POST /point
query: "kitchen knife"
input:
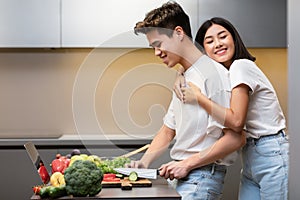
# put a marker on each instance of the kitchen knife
(141, 172)
(37, 162)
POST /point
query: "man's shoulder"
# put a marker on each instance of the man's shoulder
(208, 67)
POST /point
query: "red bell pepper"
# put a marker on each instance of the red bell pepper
(110, 178)
(44, 174)
(60, 164)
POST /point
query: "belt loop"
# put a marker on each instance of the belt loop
(213, 168)
(282, 133)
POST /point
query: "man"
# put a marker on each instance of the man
(199, 145)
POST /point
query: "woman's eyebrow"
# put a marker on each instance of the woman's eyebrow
(221, 32)
(207, 37)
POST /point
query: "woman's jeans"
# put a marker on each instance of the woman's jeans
(205, 183)
(265, 168)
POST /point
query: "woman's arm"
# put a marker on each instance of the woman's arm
(226, 145)
(233, 117)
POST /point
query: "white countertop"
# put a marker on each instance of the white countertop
(73, 139)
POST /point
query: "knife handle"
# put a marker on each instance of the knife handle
(157, 171)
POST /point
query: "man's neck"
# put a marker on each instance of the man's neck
(191, 57)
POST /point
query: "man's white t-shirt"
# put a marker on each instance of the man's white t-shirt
(195, 129)
(264, 116)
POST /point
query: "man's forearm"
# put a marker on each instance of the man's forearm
(158, 145)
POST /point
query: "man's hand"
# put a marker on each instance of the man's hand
(135, 164)
(174, 169)
(191, 94)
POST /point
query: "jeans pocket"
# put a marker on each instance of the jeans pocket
(268, 148)
(213, 195)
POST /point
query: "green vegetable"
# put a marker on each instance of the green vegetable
(107, 165)
(44, 192)
(83, 178)
(119, 175)
(52, 191)
(133, 176)
(55, 192)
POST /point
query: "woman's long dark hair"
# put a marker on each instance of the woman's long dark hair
(240, 52)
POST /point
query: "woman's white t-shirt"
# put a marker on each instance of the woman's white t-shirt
(264, 116)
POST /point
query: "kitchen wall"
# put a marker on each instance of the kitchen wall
(48, 92)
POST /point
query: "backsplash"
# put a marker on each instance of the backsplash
(89, 91)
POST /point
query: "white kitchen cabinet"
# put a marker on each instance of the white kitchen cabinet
(29, 23)
(260, 23)
(102, 23)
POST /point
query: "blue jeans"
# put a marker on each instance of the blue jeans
(265, 168)
(205, 183)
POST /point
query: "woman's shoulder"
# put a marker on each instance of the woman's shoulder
(243, 61)
(245, 64)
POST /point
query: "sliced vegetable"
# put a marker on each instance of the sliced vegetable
(133, 176)
(111, 178)
(119, 175)
(110, 175)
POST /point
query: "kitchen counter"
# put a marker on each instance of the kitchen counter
(159, 190)
(12, 153)
(75, 140)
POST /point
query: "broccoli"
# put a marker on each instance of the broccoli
(83, 178)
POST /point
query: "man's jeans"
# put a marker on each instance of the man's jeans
(205, 183)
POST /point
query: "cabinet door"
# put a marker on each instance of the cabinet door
(30, 23)
(102, 23)
(260, 23)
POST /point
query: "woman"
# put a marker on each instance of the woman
(254, 108)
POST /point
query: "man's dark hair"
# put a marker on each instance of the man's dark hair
(165, 19)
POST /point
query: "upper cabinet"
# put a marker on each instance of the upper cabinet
(260, 23)
(29, 23)
(102, 23)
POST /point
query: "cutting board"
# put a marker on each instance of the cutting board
(143, 182)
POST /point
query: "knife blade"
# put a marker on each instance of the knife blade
(37, 161)
(141, 172)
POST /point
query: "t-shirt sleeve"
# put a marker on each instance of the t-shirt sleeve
(241, 72)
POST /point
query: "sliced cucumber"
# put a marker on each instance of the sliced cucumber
(119, 175)
(133, 176)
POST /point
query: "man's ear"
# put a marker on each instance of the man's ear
(179, 32)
